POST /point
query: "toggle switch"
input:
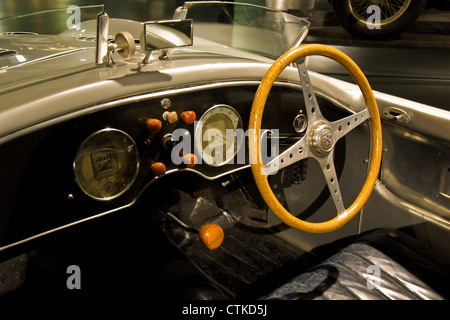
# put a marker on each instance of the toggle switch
(158, 169)
(167, 141)
(170, 116)
(188, 117)
(154, 125)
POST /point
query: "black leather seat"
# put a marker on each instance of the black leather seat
(384, 265)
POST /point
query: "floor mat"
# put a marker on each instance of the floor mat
(245, 257)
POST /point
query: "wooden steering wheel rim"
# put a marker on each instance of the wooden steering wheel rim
(254, 138)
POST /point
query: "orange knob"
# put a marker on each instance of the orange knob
(154, 125)
(188, 117)
(190, 160)
(211, 235)
(158, 169)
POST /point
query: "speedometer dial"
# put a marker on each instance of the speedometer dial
(106, 164)
(219, 135)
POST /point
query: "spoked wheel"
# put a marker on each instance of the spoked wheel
(358, 16)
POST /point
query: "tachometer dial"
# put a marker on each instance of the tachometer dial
(219, 135)
(106, 164)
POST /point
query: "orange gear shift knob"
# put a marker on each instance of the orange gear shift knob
(211, 235)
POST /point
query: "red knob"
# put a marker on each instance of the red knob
(158, 169)
(188, 117)
(190, 160)
(154, 125)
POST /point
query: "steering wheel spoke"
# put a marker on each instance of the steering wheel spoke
(345, 125)
(298, 151)
(312, 107)
(329, 172)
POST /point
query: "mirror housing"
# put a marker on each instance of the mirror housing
(166, 34)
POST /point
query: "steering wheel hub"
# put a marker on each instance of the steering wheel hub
(322, 140)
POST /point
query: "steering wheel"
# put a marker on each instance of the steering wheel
(319, 139)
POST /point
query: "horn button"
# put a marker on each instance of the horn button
(322, 139)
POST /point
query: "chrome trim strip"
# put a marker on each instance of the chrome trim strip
(413, 209)
(55, 55)
(7, 52)
(13, 33)
(201, 174)
(65, 226)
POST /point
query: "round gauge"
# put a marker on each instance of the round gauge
(106, 164)
(219, 135)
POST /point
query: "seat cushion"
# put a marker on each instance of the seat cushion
(384, 265)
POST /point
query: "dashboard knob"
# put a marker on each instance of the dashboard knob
(190, 160)
(170, 117)
(211, 235)
(188, 117)
(158, 169)
(154, 125)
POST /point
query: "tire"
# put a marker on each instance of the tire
(353, 17)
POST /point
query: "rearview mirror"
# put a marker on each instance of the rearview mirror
(166, 34)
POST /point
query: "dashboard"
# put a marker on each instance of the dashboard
(101, 159)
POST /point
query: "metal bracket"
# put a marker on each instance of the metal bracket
(101, 51)
(396, 114)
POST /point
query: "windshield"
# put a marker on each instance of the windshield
(53, 21)
(242, 26)
(247, 27)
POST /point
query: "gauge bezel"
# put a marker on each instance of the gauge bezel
(199, 129)
(83, 147)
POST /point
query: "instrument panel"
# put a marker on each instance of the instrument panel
(219, 135)
(166, 135)
(106, 164)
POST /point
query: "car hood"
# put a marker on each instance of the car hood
(26, 56)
